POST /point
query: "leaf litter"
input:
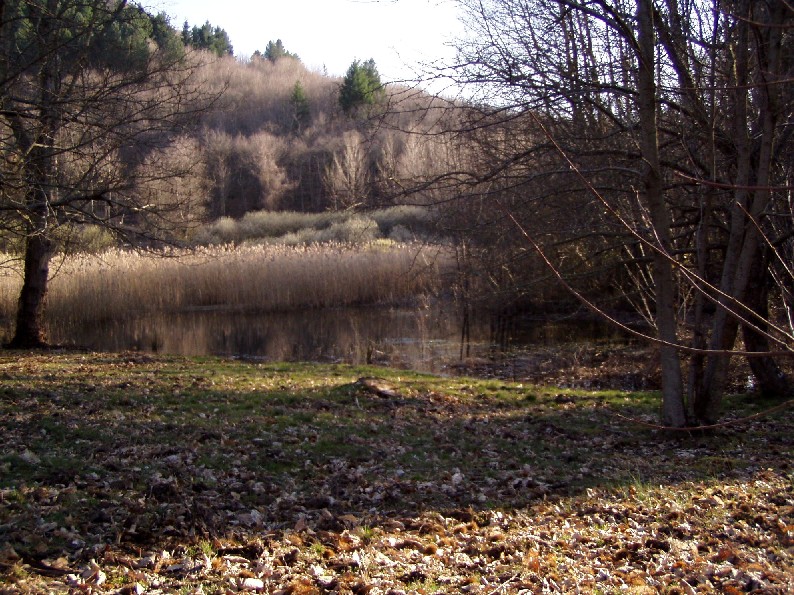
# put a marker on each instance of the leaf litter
(133, 474)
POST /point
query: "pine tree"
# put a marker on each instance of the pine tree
(164, 34)
(275, 50)
(300, 105)
(207, 37)
(361, 88)
(221, 44)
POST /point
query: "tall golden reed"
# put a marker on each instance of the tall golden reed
(118, 283)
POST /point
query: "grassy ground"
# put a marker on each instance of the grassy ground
(132, 474)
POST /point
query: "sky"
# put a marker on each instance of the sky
(329, 34)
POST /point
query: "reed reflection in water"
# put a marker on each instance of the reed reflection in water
(424, 339)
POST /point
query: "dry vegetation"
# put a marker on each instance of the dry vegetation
(129, 474)
(118, 283)
(252, 154)
(400, 223)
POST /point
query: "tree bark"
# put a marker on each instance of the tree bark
(673, 410)
(770, 380)
(30, 331)
(755, 159)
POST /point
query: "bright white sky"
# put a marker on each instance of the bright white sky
(398, 34)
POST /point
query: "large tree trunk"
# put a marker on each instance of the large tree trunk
(673, 411)
(39, 142)
(755, 150)
(30, 330)
(770, 380)
(708, 398)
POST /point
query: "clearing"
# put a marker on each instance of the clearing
(129, 473)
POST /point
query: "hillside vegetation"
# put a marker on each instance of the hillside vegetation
(280, 139)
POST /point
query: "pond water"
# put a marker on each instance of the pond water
(426, 339)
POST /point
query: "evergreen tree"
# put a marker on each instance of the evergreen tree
(361, 87)
(123, 43)
(213, 39)
(166, 37)
(221, 44)
(276, 50)
(300, 105)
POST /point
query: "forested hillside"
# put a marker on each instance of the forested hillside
(284, 137)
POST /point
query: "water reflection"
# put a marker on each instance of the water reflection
(421, 339)
(425, 339)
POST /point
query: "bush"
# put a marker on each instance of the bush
(223, 231)
(355, 230)
(400, 233)
(274, 224)
(293, 228)
(418, 220)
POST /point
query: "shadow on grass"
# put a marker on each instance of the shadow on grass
(141, 451)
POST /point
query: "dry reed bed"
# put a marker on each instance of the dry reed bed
(256, 278)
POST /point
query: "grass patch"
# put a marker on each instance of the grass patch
(236, 466)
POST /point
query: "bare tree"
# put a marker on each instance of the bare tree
(87, 103)
(348, 176)
(672, 121)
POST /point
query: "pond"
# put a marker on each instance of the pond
(424, 339)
